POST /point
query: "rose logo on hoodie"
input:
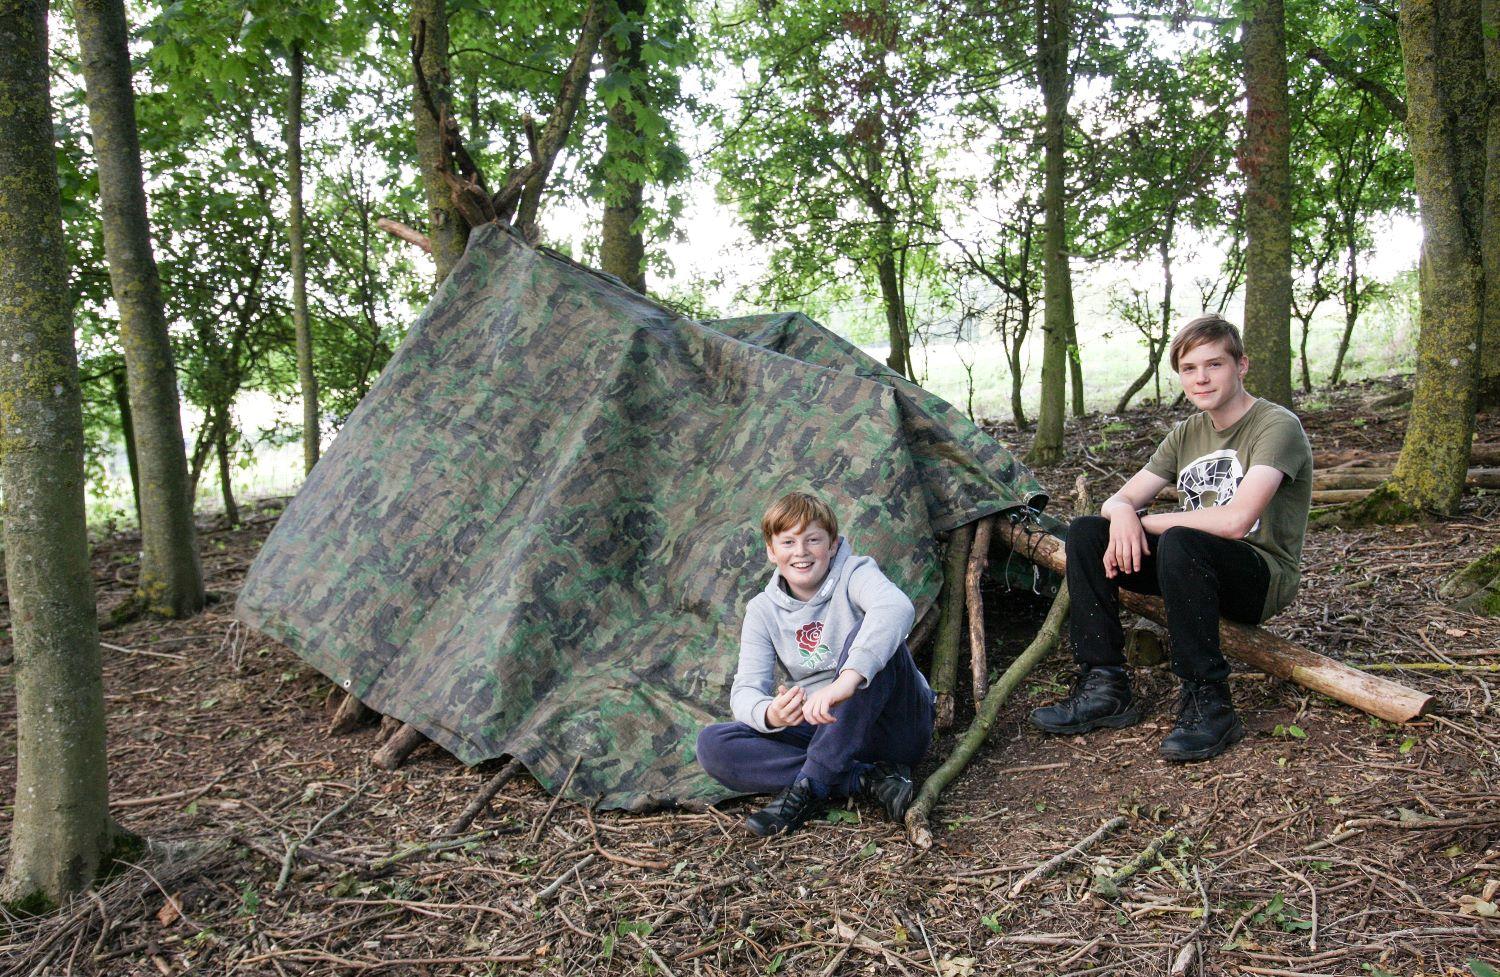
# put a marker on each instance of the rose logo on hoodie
(807, 642)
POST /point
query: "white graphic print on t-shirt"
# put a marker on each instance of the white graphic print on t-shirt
(1217, 474)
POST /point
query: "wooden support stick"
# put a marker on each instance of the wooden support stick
(398, 747)
(950, 623)
(408, 234)
(917, 829)
(350, 715)
(1377, 696)
(922, 633)
(979, 558)
(482, 799)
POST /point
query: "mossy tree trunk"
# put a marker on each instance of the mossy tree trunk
(306, 379)
(1266, 163)
(622, 251)
(447, 229)
(1447, 126)
(171, 580)
(1053, 76)
(1489, 350)
(1477, 586)
(60, 829)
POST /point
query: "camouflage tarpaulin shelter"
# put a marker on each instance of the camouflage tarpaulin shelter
(537, 533)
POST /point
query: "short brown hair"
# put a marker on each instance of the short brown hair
(1207, 329)
(796, 510)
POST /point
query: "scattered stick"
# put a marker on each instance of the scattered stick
(141, 651)
(1108, 886)
(1057, 861)
(541, 825)
(917, 829)
(443, 844)
(660, 963)
(291, 850)
(979, 558)
(1377, 696)
(482, 799)
(950, 623)
(399, 747)
(562, 879)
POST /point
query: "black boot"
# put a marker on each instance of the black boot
(791, 809)
(1206, 723)
(890, 786)
(1100, 699)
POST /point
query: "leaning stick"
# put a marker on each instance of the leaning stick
(486, 794)
(399, 747)
(950, 623)
(1059, 860)
(1276, 656)
(917, 829)
(979, 558)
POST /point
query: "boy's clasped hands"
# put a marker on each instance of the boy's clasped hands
(793, 706)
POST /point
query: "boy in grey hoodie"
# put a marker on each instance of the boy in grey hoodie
(856, 713)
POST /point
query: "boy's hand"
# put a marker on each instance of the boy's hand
(819, 707)
(1127, 543)
(786, 708)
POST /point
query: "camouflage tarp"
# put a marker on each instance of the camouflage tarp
(537, 533)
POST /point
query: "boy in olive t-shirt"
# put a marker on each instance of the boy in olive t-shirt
(1243, 471)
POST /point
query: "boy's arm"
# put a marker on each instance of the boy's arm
(1127, 536)
(1234, 519)
(750, 696)
(889, 615)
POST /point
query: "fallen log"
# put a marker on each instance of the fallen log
(1276, 656)
(950, 623)
(917, 829)
(1480, 453)
(398, 747)
(979, 558)
(350, 715)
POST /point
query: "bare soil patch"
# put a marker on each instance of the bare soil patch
(1325, 843)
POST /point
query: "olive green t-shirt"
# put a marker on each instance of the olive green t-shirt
(1208, 465)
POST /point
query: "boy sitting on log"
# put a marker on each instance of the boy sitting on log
(857, 713)
(1243, 470)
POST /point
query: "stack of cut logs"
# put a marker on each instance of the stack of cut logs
(1350, 475)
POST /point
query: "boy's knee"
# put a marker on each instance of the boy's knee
(1087, 535)
(1178, 545)
(713, 747)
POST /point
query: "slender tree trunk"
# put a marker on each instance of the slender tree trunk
(226, 483)
(1351, 307)
(121, 388)
(1164, 248)
(1489, 349)
(1075, 358)
(1017, 408)
(1447, 125)
(1266, 162)
(447, 230)
(1306, 322)
(60, 829)
(1052, 71)
(894, 299)
(171, 581)
(622, 251)
(295, 231)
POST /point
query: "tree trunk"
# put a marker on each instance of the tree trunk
(622, 251)
(1164, 248)
(893, 297)
(1075, 357)
(447, 230)
(226, 485)
(1489, 349)
(171, 580)
(305, 377)
(60, 828)
(1052, 72)
(1447, 128)
(1266, 163)
(121, 388)
(1351, 307)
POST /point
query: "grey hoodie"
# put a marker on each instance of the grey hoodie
(808, 636)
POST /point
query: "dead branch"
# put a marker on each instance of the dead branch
(979, 662)
(408, 234)
(482, 799)
(398, 747)
(950, 623)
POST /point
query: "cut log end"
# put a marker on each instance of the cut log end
(350, 715)
(398, 747)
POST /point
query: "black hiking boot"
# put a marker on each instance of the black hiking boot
(791, 809)
(1206, 723)
(890, 786)
(1100, 698)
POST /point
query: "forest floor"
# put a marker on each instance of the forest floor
(1325, 843)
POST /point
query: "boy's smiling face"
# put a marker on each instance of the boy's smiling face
(803, 555)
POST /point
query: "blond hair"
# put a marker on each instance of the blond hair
(1207, 329)
(797, 510)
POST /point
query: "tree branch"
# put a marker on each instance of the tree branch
(1374, 89)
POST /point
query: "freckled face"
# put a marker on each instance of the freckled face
(803, 555)
(1211, 377)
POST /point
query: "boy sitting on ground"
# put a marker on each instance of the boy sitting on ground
(1243, 470)
(852, 721)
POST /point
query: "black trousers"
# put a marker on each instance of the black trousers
(1198, 575)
